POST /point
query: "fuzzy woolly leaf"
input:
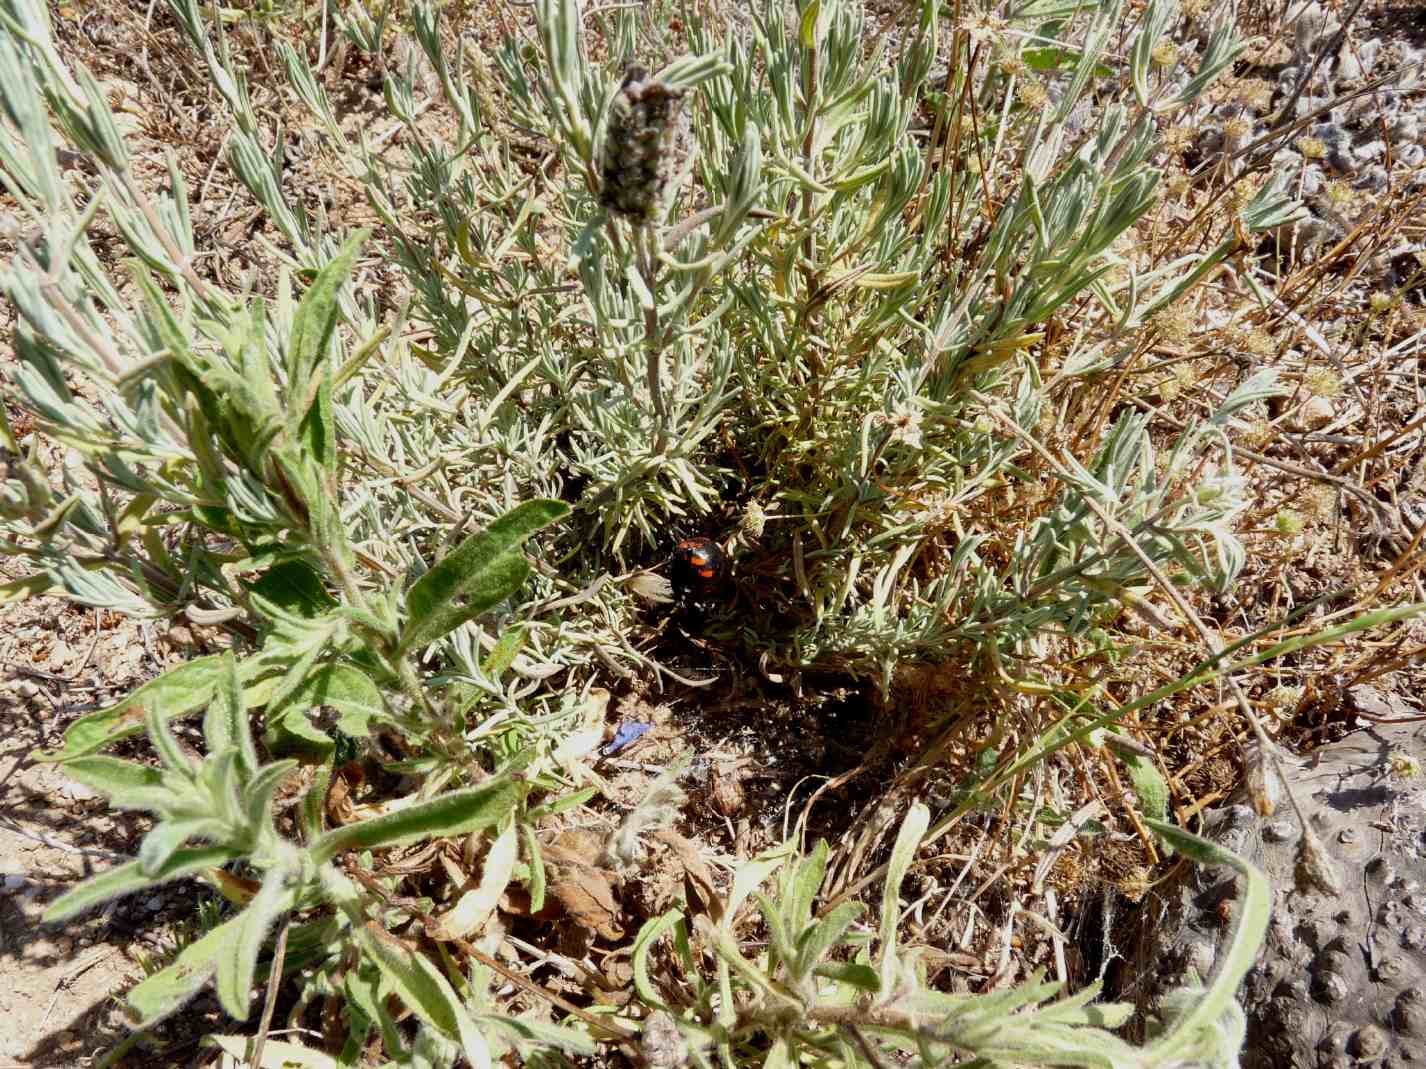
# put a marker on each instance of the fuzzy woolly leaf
(423, 989)
(182, 690)
(112, 775)
(908, 840)
(130, 877)
(167, 990)
(1242, 951)
(166, 837)
(343, 687)
(478, 574)
(817, 942)
(276, 1054)
(237, 961)
(313, 325)
(451, 814)
(226, 721)
(643, 943)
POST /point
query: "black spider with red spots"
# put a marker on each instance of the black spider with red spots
(697, 568)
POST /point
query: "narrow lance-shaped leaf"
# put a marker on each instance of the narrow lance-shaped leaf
(450, 814)
(160, 844)
(130, 877)
(478, 574)
(422, 988)
(312, 328)
(112, 775)
(238, 961)
(276, 1053)
(168, 989)
(226, 722)
(1242, 951)
(908, 840)
(182, 690)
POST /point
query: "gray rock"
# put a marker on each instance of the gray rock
(1341, 979)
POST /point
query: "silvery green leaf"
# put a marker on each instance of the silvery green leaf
(903, 852)
(313, 327)
(343, 687)
(480, 573)
(686, 72)
(1272, 207)
(111, 775)
(1224, 47)
(236, 961)
(167, 990)
(1262, 385)
(180, 690)
(454, 813)
(159, 845)
(174, 757)
(826, 935)
(802, 882)
(1157, 19)
(424, 990)
(226, 723)
(127, 878)
(1242, 951)
(257, 794)
(276, 1054)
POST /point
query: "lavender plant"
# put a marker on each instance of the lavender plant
(784, 310)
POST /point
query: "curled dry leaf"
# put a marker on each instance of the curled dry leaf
(579, 889)
(698, 885)
(1316, 870)
(340, 809)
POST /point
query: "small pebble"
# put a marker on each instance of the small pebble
(78, 792)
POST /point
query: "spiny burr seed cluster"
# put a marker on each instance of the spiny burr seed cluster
(643, 145)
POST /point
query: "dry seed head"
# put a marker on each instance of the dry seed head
(983, 27)
(1174, 325)
(1323, 382)
(1240, 196)
(1259, 343)
(1256, 434)
(1032, 95)
(1320, 502)
(1013, 66)
(1283, 697)
(1165, 53)
(1314, 148)
(643, 144)
(1256, 95)
(1380, 302)
(1341, 196)
(1237, 129)
(753, 522)
(1178, 138)
(1403, 765)
(1135, 884)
